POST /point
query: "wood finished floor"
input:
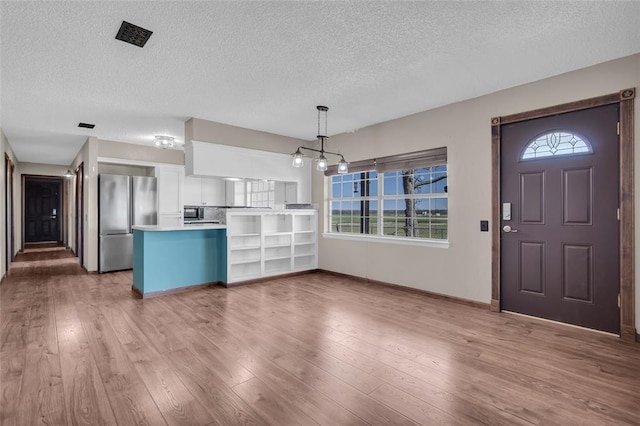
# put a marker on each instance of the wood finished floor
(78, 349)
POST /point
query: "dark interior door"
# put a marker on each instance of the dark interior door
(560, 247)
(42, 209)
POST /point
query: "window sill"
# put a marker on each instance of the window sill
(387, 240)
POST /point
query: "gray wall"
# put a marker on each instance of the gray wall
(464, 268)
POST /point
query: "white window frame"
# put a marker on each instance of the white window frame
(380, 198)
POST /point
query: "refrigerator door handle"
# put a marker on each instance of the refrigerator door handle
(132, 204)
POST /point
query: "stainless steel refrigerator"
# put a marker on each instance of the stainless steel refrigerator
(123, 201)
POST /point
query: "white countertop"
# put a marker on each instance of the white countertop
(192, 227)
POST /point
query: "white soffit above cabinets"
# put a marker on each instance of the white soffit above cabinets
(266, 65)
(225, 161)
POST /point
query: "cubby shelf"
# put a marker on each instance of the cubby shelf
(267, 246)
(286, 242)
(243, 261)
(266, 259)
(244, 248)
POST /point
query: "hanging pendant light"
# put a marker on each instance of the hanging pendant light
(297, 159)
(343, 167)
(321, 164)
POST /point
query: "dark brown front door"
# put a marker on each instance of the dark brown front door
(560, 179)
(42, 209)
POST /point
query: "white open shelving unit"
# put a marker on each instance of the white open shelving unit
(267, 243)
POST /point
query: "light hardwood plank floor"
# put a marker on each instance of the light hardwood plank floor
(80, 349)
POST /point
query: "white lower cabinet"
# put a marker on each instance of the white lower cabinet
(267, 243)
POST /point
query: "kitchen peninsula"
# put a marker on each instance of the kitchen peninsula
(254, 244)
(167, 258)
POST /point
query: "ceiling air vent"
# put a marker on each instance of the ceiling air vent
(86, 125)
(133, 34)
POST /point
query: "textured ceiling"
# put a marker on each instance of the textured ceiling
(266, 65)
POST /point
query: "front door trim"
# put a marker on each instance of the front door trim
(625, 99)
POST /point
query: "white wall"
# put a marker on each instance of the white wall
(464, 269)
(88, 155)
(150, 154)
(123, 169)
(5, 148)
(42, 169)
(3, 215)
(209, 131)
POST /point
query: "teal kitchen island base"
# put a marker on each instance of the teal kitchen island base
(173, 258)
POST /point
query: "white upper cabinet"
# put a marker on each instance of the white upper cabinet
(203, 191)
(192, 191)
(213, 192)
(170, 182)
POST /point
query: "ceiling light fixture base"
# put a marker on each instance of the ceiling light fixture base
(165, 142)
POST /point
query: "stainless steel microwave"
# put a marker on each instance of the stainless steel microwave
(191, 212)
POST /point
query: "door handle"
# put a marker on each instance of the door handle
(508, 229)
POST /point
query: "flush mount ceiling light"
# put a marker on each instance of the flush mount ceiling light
(165, 142)
(321, 165)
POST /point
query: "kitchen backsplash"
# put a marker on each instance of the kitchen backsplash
(216, 213)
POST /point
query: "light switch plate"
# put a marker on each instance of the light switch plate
(484, 226)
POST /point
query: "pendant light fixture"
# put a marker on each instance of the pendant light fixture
(321, 164)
